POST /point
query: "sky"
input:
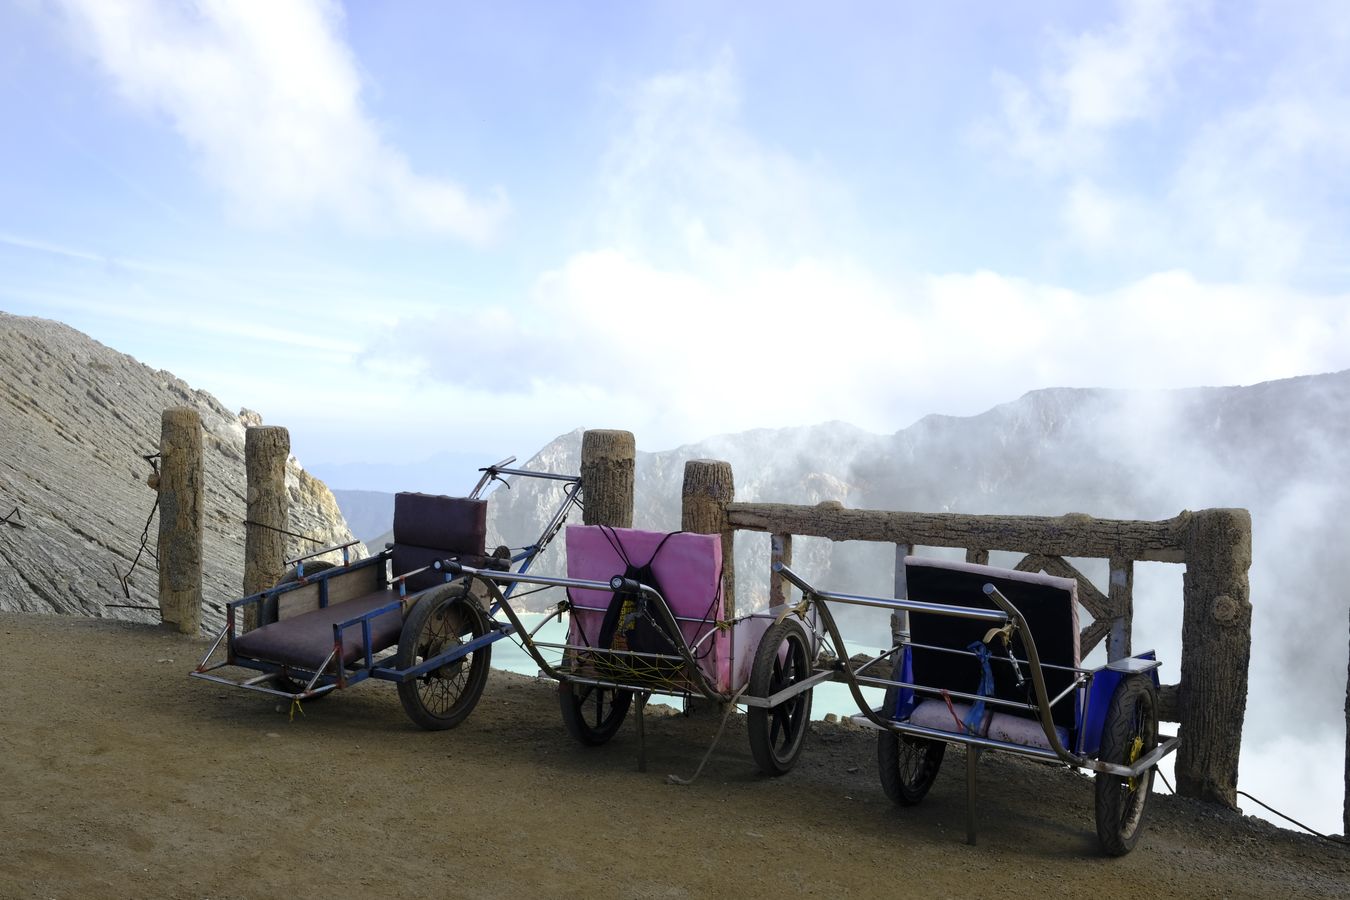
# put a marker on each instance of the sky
(483, 225)
(412, 229)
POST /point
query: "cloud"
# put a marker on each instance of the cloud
(1100, 81)
(683, 179)
(1263, 181)
(706, 303)
(268, 97)
(1175, 139)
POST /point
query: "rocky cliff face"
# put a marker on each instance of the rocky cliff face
(76, 419)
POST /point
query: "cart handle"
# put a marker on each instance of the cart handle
(342, 547)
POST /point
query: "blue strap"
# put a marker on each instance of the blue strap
(975, 717)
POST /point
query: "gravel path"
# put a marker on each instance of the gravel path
(121, 777)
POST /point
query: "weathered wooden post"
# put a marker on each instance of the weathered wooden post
(780, 551)
(1216, 645)
(180, 519)
(900, 618)
(266, 449)
(708, 488)
(607, 460)
(1120, 591)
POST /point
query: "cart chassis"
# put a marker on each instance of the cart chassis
(332, 674)
(1006, 614)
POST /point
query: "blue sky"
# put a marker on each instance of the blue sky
(507, 220)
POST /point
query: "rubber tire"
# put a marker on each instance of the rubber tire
(573, 700)
(283, 683)
(777, 735)
(1133, 712)
(907, 765)
(419, 640)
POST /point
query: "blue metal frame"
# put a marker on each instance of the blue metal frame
(323, 680)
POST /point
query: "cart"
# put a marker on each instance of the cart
(989, 658)
(646, 618)
(394, 616)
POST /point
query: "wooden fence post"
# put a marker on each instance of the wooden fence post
(180, 519)
(780, 551)
(1216, 642)
(708, 488)
(266, 449)
(1120, 590)
(607, 460)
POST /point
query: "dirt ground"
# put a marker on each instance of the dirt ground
(122, 777)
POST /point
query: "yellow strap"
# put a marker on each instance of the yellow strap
(1005, 632)
(296, 707)
(799, 611)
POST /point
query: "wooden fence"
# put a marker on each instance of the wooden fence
(1214, 545)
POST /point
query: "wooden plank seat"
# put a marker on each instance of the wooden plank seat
(1050, 607)
(428, 528)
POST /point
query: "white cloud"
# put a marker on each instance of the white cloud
(1099, 81)
(268, 96)
(750, 322)
(1262, 182)
(683, 179)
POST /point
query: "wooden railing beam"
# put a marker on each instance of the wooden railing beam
(1071, 535)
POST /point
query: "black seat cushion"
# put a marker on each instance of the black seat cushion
(1048, 604)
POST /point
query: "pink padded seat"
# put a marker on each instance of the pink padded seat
(688, 567)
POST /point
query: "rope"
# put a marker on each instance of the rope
(125, 580)
(17, 523)
(1342, 841)
(303, 537)
(731, 708)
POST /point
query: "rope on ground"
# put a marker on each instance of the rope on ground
(11, 520)
(1342, 841)
(731, 708)
(1326, 837)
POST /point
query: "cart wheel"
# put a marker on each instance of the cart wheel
(268, 614)
(776, 734)
(592, 714)
(444, 618)
(1131, 730)
(908, 766)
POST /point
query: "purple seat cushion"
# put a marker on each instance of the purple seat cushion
(429, 528)
(446, 523)
(307, 639)
(999, 726)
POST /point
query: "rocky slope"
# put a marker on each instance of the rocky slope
(76, 419)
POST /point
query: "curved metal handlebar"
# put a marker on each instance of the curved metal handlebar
(454, 567)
